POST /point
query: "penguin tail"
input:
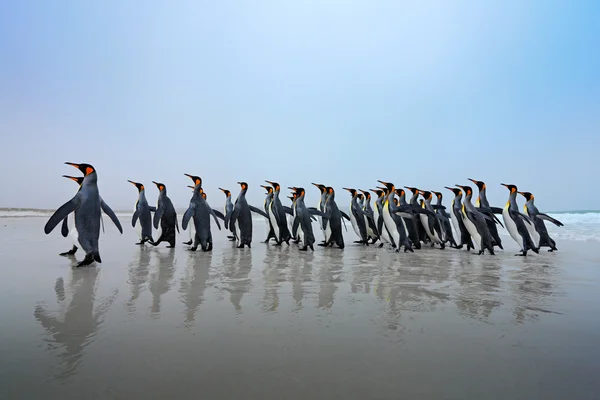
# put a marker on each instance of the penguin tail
(97, 257)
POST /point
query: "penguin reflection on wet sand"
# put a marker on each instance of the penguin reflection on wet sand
(165, 218)
(87, 206)
(538, 220)
(143, 213)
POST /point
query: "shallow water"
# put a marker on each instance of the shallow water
(278, 323)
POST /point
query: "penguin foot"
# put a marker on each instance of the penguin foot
(241, 246)
(323, 244)
(192, 248)
(303, 248)
(480, 252)
(549, 251)
(522, 254)
(408, 249)
(380, 245)
(311, 247)
(359, 241)
(170, 246)
(70, 252)
(189, 242)
(89, 258)
(296, 241)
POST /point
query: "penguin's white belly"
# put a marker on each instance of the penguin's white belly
(425, 223)
(472, 229)
(456, 227)
(274, 222)
(238, 233)
(73, 234)
(533, 233)
(192, 231)
(511, 227)
(391, 227)
(369, 230)
(354, 224)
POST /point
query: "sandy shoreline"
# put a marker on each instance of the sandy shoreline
(277, 323)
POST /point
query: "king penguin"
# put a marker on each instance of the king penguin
(538, 220)
(333, 222)
(431, 223)
(369, 218)
(321, 206)
(475, 222)
(165, 218)
(483, 206)
(302, 220)
(227, 210)
(457, 220)
(519, 225)
(357, 218)
(87, 206)
(270, 219)
(241, 217)
(201, 212)
(142, 212)
(444, 218)
(278, 218)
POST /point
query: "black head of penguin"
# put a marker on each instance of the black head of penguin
(139, 186)
(389, 186)
(86, 169)
(400, 192)
(456, 191)
(269, 189)
(276, 186)
(352, 191)
(414, 190)
(468, 190)
(528, 195)
(366, 193)
(244, 186)
(426, 194)
(227, 192)
(512, 188)
(378, 192)
(480, 184)
(78, 179)
(439, 195)
(322, 188)
(197, 180)
(160, 186)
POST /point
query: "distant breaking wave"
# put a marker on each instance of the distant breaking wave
(579, 225)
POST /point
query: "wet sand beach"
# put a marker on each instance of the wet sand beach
(275, 323)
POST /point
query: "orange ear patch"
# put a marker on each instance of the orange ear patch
(88, 171)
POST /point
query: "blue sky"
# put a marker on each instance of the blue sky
(423, 94)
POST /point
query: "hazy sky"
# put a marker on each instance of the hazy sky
(421, 93)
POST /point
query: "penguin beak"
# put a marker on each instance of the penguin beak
(73, 178)
(473, 180)
(191, 187)
(88, 170)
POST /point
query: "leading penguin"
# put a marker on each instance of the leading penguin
(165, 217)
(143, 213)
(519, 225)
(538, 220)
(87, 206)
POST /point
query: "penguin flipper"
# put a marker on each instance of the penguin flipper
(258, 211)
(438, 207)
(288, 210)
(550, 219)
(62, 213)
(158, 214)
(64, 230)
(212, 212)
(295, 226)
(135, 217)
(219, 214)
(345, 215)
(314, 211)
(189, 213)
(108, 211)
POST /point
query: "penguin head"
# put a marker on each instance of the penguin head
(139, 186)
(197, 180)
(352, 191)
(426, 194)
(300, 192)
(528, 195)
(400, 192)
(378, 192)
(276, 186)
(512, 188)
(244, 186)
(78, 179)
(389, 186)
(456, 191)
(161, 187)
(269, 189)
(330, 192)
(360, 197)
(321, 187)
(439, 195)
(480, 184)
(367, 194)
(414, 190)
(467, 189)
(227, 192)
(86, 169)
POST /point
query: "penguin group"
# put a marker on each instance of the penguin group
(389, 218)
